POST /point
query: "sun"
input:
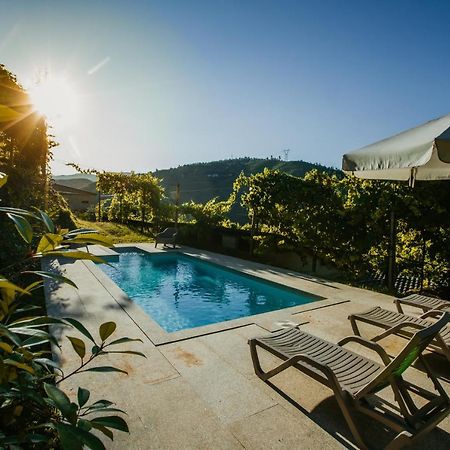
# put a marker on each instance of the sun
(57, 99)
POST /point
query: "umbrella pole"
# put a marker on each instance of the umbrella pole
(392, 248)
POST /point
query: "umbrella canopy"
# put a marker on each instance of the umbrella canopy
(421, 153)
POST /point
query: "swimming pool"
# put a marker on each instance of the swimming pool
(181, 292)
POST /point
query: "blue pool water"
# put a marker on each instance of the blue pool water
(181, 292)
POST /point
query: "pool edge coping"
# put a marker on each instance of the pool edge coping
(270, 321)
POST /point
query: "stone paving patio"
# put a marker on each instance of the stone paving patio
(199, 391)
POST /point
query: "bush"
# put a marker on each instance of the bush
(34, 411)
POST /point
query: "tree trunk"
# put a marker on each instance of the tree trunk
(99, 206)
(422, 261)
(392, 249)
(314, 262)
(142, 211)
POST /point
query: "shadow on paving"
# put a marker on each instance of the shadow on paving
(329, 417)
(438, 364)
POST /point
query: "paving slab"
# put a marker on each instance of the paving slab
(227, 392)
(276, 428)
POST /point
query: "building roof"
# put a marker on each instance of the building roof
(71, 190)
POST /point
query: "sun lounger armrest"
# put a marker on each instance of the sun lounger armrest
(433, 313)
(400, 326)
(442, 307)
(317, 365)
(368, 344)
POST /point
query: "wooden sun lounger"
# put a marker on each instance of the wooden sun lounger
(354, 379)
(399, 324)
(423, 302)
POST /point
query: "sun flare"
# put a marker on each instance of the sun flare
(57, 99)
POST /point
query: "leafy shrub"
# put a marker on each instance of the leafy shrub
(34, 411)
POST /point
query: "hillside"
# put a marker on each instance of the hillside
(201, 182)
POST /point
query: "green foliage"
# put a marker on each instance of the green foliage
(304, 213)
(24, 153)
(34, 411)
(211, 213)
(345, 221)
(135, 196)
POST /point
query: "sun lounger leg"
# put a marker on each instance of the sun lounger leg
(345, 408)
(398, 306)
(354, 326)
(257, 366)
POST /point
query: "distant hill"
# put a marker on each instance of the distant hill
(202, 181)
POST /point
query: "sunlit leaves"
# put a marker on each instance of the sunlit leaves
(74, 254)
(8, 114)
(106, 329)
(78, 345)
(90, 238)
(52, 276)
(47, 221)
(26, 370)
(3, 179)
(80, 327)
(48, 242)
(23, 227)
(104, 369)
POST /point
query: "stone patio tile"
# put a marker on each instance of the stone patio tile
(275, 428)
(171, 416)
(227, 392)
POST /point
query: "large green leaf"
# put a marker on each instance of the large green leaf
(53, 276)
(74, 438)
(37, 321)
(78, 345)
(5, 284)
(6, 347)
(80, 327)
(127, 352)
(47, 221)
(23, 227)
(77, 231)
(8, 114)
(106, 329)
(115, 422)
(19, 365)
(101, 404)
(3, 178)
(90, 238)
(103, 410)
(47, 362)
(49, 242)
(74, 254)
(84, 424)
(124, 340)
(104, 369)
(19, 212)
(83, 396)
(60, 400)
(104, 430)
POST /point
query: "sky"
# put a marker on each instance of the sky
(157, 84)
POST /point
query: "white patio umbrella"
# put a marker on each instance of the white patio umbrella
(420, 153)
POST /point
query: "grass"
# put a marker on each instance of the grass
(119, 233)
